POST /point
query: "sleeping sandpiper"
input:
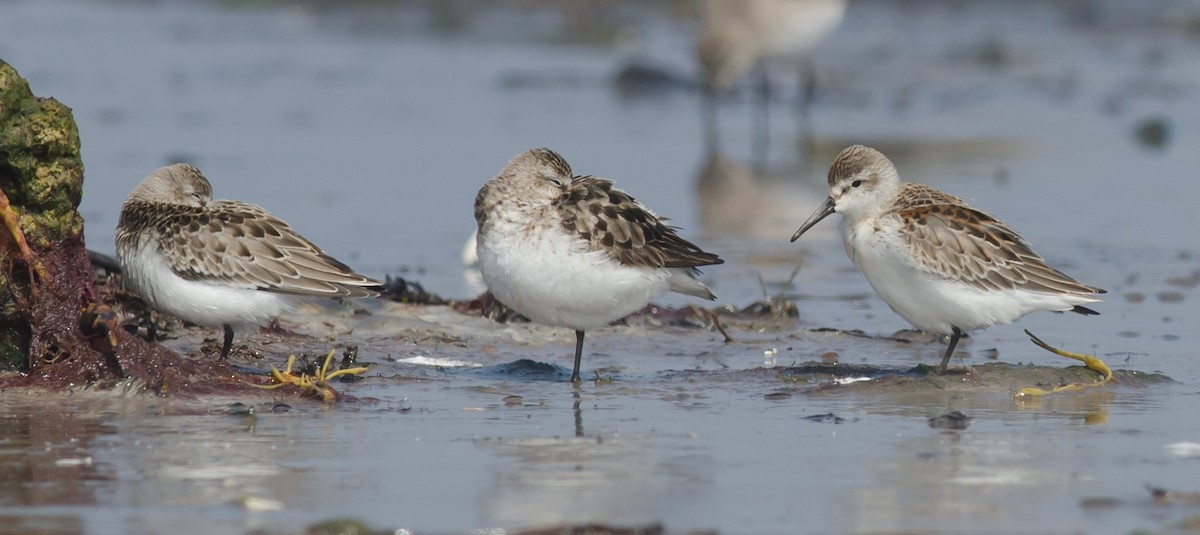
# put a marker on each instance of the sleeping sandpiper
(575, 251)
(220, 263)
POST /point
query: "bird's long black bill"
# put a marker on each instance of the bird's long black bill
(824, 210)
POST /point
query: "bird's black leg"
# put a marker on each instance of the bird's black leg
(225, 347)
(709, 100)
(578, 355)
(957, 333)
(151, 328)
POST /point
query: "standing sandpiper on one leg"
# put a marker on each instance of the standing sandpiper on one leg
(575, 251)
(942, 265)
(220, 263)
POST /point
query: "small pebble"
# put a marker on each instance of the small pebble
(253, 503)
(951, 420)
(1099, 503)
(825, 418)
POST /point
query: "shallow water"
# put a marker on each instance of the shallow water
(371, 128)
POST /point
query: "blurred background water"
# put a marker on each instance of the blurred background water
(370, 126)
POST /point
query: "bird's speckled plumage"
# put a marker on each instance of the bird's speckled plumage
(953, 240)
(220, 262)
(942, 265)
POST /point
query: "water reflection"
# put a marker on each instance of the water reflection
(1090, 407)
(46, 456)
(737, 200)
(582, 478)
(578, 412)
(933, 482)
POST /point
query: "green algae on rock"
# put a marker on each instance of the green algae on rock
(40, 167)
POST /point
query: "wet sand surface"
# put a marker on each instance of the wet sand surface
(370, 129)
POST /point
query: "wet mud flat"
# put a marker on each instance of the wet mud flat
(464, 422)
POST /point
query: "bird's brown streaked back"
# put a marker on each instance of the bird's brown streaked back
(612, 221)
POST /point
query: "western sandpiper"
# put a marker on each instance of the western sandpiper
(942, 265)
(220, 263)
(575, 251)
(736, 36)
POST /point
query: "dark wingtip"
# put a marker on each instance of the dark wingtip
(1085, 311)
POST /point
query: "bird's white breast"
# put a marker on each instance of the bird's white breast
(549, 276)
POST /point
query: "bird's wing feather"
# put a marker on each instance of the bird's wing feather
(610, 220)
(240, 244)
(958, 242)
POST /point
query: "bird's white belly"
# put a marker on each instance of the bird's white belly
(934, 303)
(198, 302)
(547, 277)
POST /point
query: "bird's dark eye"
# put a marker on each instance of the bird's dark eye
(856, 183)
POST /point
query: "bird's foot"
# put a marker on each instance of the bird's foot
(1092, 362)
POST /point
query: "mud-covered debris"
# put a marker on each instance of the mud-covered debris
(401, 290)
(821, 369)
(1188, 281)
(774, 307)
(104, 265)
(524, 368)
(99, 322)
(349, 357)
(133, 314)
(1170, 296)
(688, 316)
(488, 306)
(598, 529)
(1153, 132)
(639, 78)
(827, 418)
(240, 409)
(1099, 502)
(257, 504)
(955, 420)
(343, 526)
(1172, 497)
(859, 333)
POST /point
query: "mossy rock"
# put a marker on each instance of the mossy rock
(40, 167)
